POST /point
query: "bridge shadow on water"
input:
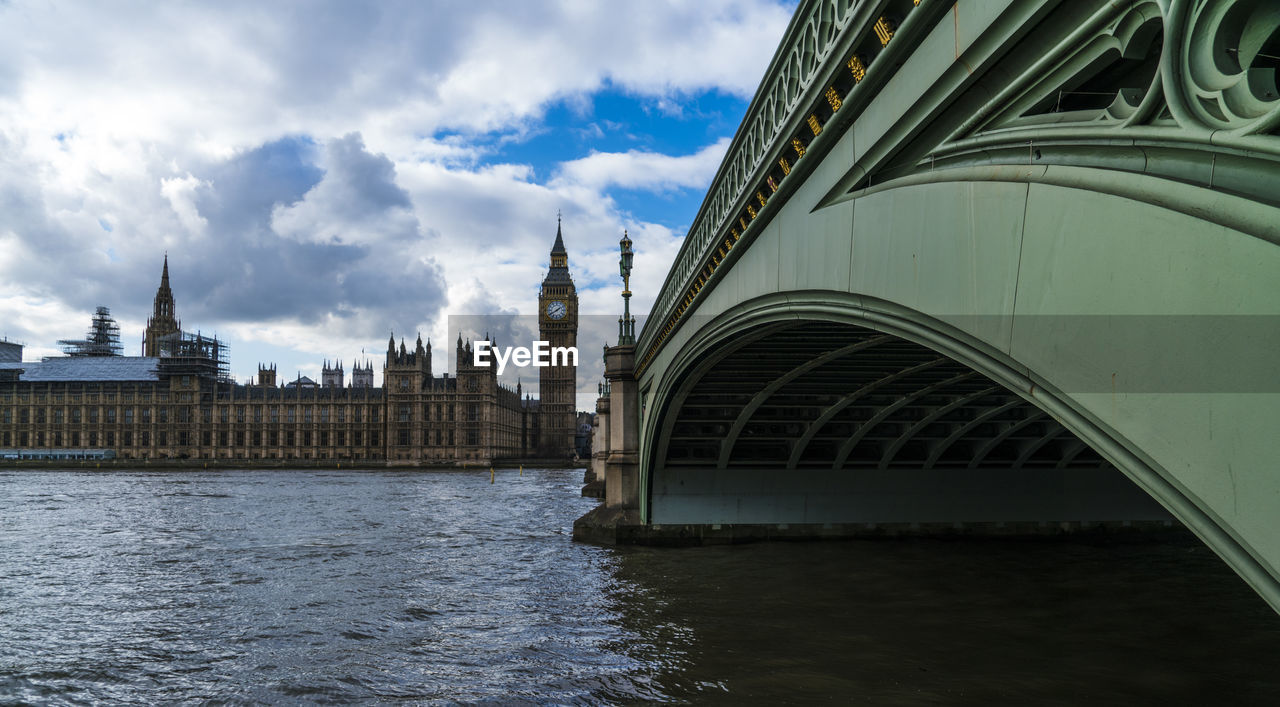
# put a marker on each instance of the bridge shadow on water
(933, 621)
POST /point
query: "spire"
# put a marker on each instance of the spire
(164, 274)
(559, 271)
(558, 247)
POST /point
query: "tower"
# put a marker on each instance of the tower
(267, 375)
(363, 377)
(558, 326)
(331, 376)
(162, 321)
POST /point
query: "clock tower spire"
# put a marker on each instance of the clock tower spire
(558, 326)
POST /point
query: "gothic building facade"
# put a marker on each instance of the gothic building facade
(168, 404)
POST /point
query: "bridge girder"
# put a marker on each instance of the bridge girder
(1077, 201)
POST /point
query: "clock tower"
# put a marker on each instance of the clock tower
(557, 385)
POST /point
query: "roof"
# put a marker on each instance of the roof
(88, 368)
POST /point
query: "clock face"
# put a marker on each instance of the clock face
(556, 310)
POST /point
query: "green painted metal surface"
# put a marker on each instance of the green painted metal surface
(1035, 189)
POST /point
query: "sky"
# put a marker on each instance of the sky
(325, 174)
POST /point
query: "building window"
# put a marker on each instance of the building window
(239, 413)
(24, 416)
(373, 417)
(111, 416)
(324, 438)
(342, 413)
(341, 438)
(239, 438)
(473, 437)
(162, 438)
(8, 416)
(289, 439)
(7, 440)
(355, 436)
(257, 438)
(93, 415)
(404, 383)
(22, 439)
(146, 416)
(57, 416)
(163, 413)
(373, 438)
(257, 413)
(206, 438)
(224, 414)
(128, 439)
(402, 437)
(273, 438)
(292, 413)
(306, 437)
(184, 414)
(40, 416)
(324, 413)
(275, 413)
(186, 380)
(357, 411)
(306, 414)
(222, 438)
(128, 416)
(145, 439)
(404, 413)
(111, 439)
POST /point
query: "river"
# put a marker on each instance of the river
(139, 587)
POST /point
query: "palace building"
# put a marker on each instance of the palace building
(177, 400)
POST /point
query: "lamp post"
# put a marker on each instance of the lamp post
(627, 324)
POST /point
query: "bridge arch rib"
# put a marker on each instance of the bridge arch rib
(830, 408)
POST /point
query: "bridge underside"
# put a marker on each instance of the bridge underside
(834, 425)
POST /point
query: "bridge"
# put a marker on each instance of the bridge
(1009, 266)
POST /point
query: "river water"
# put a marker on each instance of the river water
(440, 587)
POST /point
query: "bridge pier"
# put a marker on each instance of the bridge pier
(621, 507)
(595, 475)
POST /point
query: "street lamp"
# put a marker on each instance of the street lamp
(627, 324)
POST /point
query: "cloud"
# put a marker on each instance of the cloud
(639, 169)
(325, 172)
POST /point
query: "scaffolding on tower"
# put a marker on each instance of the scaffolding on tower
(195, 354)
(103, 338)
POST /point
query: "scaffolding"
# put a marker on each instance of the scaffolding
(195, 354)
(103, 338)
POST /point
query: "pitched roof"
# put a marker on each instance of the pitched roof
(88, 368)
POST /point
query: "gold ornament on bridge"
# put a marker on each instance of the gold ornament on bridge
(773, 186)
(833, 98)
(785, 165)
(799, 147)
(814, 125)
(760, 197)
(857, 68)
(751, 211)
(884, 30)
